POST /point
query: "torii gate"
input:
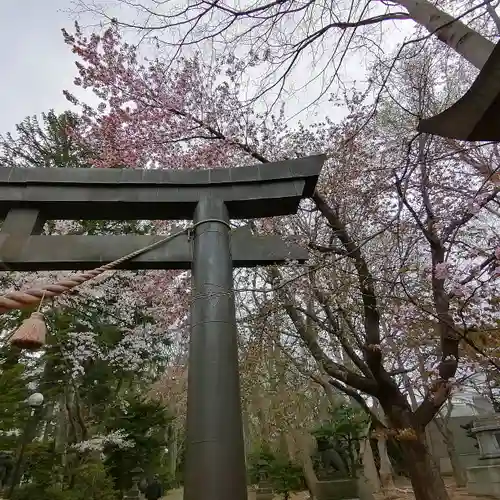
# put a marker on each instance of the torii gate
(215, 456)
(475, 116)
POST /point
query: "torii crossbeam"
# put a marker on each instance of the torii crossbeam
(215, 455)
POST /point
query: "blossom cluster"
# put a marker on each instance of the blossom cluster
(99, 443)
(133, 353)
(152, 114)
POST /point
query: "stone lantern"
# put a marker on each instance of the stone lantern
(484, 479)
(134, 493)
(487, 432)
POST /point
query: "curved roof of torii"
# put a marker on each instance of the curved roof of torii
(476, 116)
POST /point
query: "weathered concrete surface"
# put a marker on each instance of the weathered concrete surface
(264, 190)
(484, 480)
(71, 252)
(177, 495)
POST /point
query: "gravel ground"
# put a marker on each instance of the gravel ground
(177, 495)
(402, 491)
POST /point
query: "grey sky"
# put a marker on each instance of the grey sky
(36, 64)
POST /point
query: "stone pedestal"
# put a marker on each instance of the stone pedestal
(338, 489)
(487, 432)
(484, 479)
(264, 491)
(132, 494)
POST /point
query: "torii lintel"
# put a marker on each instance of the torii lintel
(264, 190)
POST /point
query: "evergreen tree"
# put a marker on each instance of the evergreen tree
(103, 352)
(48, 143)
(13, 393)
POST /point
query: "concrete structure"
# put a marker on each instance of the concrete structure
(467, 407)
(338, 489)
(484, 478)
(465, 446)
(264, 491)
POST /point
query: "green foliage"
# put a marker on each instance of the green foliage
(92, 482)
(260, 465)
(145, 423)
(346, 422)
(89, 480)
(342, 432)
(287, 478)
(46, 143)
(42, 464)
(284, 476)
(38, 492)
(13, 393)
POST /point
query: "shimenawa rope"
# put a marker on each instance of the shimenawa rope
(34, 296)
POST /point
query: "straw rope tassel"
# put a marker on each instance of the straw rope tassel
(33, 296)
(32, 333)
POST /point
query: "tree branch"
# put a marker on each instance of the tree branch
(371, 315)
(332, 368)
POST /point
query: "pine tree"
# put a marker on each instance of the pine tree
(13, 393)
(45, 144)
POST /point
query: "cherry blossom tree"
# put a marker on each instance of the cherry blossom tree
(399, 269)
(303, 49)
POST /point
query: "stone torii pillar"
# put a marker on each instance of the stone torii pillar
(215, 456)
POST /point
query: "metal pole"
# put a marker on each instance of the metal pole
(215, 453)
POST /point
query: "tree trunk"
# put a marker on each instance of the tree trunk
(459, 473)
(369, 467)
(48, 422)
(332, 398)
(173, 454)
(246, 431)
(428, 436)
(464, 40)
(425, 478)
(426, 481)
(61, 433)
(385, 471)
(300, 449)
(61, 439)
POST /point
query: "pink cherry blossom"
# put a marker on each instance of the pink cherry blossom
(154, 115)
(189, 115)
(441, 271)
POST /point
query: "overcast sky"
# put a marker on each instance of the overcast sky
(36, 64)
